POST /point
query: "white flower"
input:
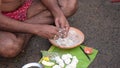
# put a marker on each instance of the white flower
(66, 58)
(70, 66)
(67, 61)
(59, 61)
(75, 60)
(73, 63)
(69, 55)
(56, 66)
(70, 61)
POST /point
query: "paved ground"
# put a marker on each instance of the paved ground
(99, 21)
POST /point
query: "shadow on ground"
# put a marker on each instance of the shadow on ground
(99, 21)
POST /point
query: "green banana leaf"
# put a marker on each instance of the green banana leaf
(84, 62)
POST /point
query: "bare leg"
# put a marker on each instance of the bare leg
(11, 45)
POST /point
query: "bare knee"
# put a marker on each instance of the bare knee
(71, 10)
(70, 7)
(9, 49)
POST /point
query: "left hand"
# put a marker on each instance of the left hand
(62, 22)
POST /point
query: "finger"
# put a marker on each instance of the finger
(56, 37)
(51, 36)
(56, 30)
(54, 34)
(67, 30)
(62, 24)
(46, 37)
(57, 23)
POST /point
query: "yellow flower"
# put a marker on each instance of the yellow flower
(46, 58)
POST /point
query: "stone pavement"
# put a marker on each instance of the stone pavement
(99, 20)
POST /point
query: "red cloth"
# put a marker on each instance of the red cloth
(115, 1)
(21, 13)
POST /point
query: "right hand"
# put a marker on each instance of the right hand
(46, 31)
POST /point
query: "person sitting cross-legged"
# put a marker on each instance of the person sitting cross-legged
(20, 19)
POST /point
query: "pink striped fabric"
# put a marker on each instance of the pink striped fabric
(21, 13)
(115, 1)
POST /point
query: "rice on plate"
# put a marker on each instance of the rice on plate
(74, 38)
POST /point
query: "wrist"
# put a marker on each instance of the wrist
(57, 12)
(35, 29)
(31, 28)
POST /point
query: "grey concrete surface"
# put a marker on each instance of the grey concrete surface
(99, 20)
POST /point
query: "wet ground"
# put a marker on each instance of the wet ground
(99, 20)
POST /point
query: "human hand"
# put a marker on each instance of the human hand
(46, 31)
(62, 22)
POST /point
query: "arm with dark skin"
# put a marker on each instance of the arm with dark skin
(60, 19)
(11, 25)
(7, 24)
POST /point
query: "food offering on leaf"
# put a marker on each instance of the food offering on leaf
(59, 61)
(88, 50)
(48, 57)
(74, 38)
(46, 61)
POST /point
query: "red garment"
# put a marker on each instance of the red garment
(115, 1)
(21, 13)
